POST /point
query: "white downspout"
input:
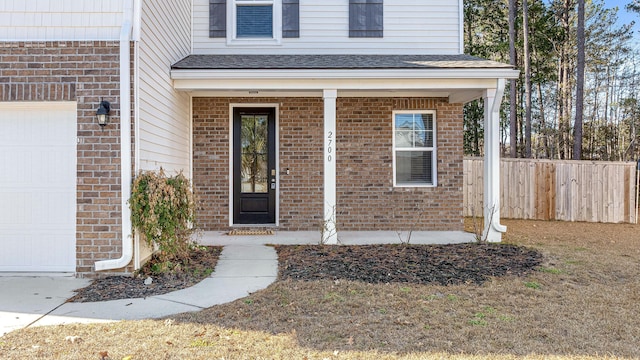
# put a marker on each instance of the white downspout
(461, 26)
(125, 142)
(492, 228)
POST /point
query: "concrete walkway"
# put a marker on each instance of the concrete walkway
(246, 265)
(36, 301)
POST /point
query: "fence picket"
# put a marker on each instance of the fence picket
(557, 190)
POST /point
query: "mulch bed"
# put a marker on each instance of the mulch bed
(200, 265)
(418, 264)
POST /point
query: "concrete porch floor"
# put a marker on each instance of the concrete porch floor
(220, 238)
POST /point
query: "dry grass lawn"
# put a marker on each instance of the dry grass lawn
(583, 303)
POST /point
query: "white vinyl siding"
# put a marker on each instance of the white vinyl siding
(49, 20)
(410, 27)
(163, 129)
(38, 186)
(414, 148)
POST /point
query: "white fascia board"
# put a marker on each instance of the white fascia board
(319, 93)
(185, 74)
(257, 84)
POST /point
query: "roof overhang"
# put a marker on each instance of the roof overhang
(456, 84)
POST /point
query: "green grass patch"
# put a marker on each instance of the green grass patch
(533, 285)
(452, 297)
(548, 270)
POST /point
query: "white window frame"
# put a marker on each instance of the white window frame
(433, 149)
(232, 38)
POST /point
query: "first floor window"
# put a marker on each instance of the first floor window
(414, 148)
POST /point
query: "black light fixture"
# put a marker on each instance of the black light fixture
(103, 113)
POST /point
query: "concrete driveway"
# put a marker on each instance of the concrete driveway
(26, 299)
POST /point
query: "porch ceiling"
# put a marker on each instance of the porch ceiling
(460, 78)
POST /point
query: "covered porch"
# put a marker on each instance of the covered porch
(258, 80)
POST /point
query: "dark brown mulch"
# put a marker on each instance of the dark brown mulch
(200, 265)
(418, 264)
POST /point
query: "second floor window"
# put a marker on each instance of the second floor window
(254, 19)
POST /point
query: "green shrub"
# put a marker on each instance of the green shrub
(163, 212)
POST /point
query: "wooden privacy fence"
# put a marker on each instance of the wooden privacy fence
(557, 190)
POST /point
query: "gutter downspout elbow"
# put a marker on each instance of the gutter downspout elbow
(493, 230)
(497, 100)
(125, 143)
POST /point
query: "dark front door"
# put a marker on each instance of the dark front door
(254, 166)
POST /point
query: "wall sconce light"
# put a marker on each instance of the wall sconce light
(103, 113)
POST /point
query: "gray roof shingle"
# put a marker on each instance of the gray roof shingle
(354, 62)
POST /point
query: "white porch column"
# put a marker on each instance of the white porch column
(492, 228)
(329, 232)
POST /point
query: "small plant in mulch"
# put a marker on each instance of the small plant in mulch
(188, 272)
(163, 214)
(196, 264)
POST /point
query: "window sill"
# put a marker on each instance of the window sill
(415, 185)
(254, 42)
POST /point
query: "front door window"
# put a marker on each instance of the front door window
(255, 161)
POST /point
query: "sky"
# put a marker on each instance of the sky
(624, 17)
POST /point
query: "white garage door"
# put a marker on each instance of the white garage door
(38, 187)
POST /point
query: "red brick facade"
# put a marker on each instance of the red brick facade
(300, 131)
(367, 199)
(88, 71)
(85, 72)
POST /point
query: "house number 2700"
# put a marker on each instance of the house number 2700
(330, 146)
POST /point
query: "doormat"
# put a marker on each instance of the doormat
(251, 232)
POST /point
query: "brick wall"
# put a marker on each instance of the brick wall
(300, 136)
(367, 199)
(86, 72)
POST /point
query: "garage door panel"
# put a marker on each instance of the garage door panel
(38, 190)
(26, 253)
(54, 210)
(37, 209)
(16, 211)
(13, 161)
(16, 251)
(59, 171)
(36, 164)
(49, 251)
